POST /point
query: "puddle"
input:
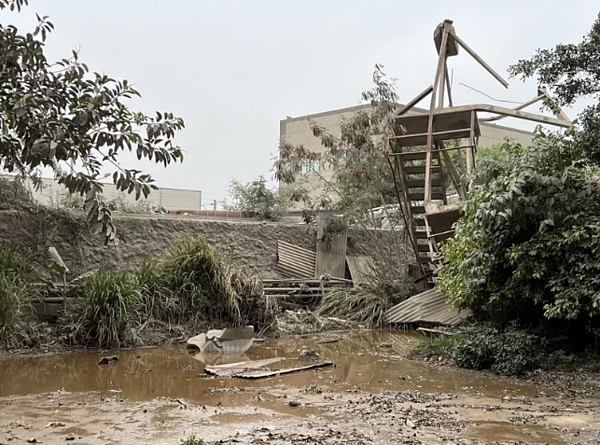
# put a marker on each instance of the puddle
(144, 374)
(492, 432)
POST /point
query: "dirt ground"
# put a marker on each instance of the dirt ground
(371, 396)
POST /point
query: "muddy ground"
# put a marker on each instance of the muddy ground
(372, 395)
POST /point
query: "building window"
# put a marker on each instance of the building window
(311, 165)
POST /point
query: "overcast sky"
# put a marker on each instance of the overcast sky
(234, 69)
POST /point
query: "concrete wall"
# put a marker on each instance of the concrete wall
(296, 131)
(169, 198)
(251, 245)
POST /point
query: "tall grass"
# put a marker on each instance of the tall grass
(365, 304)
(16, 295)
(105, 312)
(194, 284)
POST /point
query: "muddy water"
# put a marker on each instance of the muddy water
(363, 361)
(159, 392)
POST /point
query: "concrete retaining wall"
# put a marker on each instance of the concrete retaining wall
(252, 245)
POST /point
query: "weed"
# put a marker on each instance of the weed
(203, 285)
(104, 312)
(192, 440)
(158, 301)
(16, 295)
(433, 348)
(313, 389)
(13, 193)
(365, 304)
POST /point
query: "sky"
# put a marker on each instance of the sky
(234, 69)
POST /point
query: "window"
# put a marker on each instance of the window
(311, 165)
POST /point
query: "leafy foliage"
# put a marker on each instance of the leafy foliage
(383, 286)
(528, 241)
(16, 294)
(255, 197)
(571, 72)
(13, 193)
(365, 304)
(106, 310)
(362, 176)
(192, 440)
(58, 116)
(511, 351)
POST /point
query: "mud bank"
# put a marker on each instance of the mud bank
(372, 396)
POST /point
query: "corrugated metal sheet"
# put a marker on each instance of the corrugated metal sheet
(360, 268)
(294, 261)
(427, 307)
(331, 259)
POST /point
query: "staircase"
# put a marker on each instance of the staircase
(411, 165)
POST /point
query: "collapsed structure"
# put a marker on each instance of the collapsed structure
(421, 146)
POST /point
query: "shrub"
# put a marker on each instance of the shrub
(433, 348)
(510, 351)
(528, 242)
(105, 311)
(13, 193)
(192, 440)
(158, 301)
(16, 294)
(255, 197)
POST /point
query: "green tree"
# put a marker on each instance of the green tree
(255, 197)
(61, 117)
(572, 72)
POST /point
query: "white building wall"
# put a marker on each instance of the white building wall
(169, 198)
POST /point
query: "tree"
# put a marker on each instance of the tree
(572, 72)
(59, 116)
(528, 242)
(363, 175)
(255, 197)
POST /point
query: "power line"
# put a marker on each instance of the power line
(490, 97)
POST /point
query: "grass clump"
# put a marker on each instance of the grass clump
(105, 312)
(194, 284)
(365, 304)
(16, 295)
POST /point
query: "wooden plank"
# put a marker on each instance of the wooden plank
(448, 86)
(436, 84)
(416, 100)
(509, 112)
(520, 107)
(420, 183)
(229, 369)
(275, 373)
(482, 62)
(421, 196)
(419, 169)
(312, 281)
